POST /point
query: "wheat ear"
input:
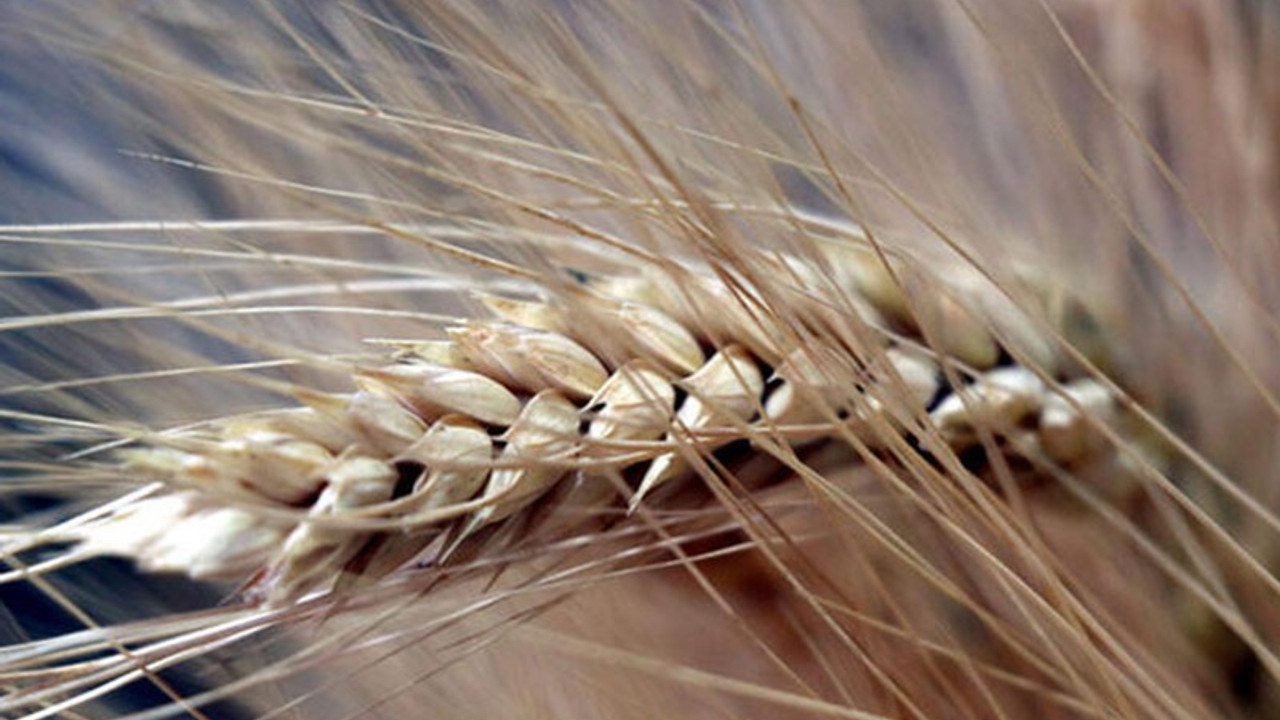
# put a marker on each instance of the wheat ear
(608, 380)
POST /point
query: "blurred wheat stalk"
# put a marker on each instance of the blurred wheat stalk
(329, 174)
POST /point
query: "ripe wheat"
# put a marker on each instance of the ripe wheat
(919, 391)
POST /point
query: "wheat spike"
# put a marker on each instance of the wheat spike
(398, 422)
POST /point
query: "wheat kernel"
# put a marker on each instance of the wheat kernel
(382, 423)
(635, 403)
(539, 445)
(530, 359)
(535, 315)
(435, 390)
(457, 454)
(1065, 431)
(724, 392)
(314, 553)
(214, 543)
(997, 401)
(659, 337)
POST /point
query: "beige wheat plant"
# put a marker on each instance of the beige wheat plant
(493, 358)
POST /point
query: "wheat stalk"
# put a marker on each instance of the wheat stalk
(953, 444)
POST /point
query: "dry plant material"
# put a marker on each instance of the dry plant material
(638, 359)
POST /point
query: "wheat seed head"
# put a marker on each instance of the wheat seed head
(629, 359)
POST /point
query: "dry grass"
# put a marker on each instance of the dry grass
(455, 362)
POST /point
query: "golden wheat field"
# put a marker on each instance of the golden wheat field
(851, 359)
